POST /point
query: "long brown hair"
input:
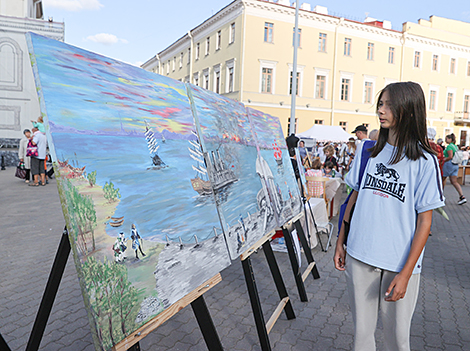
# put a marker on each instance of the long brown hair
(408, 107)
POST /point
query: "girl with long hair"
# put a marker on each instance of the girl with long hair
(400, 187)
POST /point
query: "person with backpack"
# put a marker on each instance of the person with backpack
(451, 167)
(400, 186)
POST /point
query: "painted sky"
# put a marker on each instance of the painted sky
(221, 117)
(110, 93)
(267, 128)
(134, 31)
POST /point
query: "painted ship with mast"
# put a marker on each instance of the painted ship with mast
(277, 154)
(153, 147)
(221, 175)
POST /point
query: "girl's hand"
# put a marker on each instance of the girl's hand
(397, 288)
(340, 258)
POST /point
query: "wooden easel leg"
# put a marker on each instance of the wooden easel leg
(256, 305)
(3, 344)
(276, 273)
(206, 324)
(295, 265)
(50, 293)
(307, 250)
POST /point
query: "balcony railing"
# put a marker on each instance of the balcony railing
(461, 117)
(48, 28)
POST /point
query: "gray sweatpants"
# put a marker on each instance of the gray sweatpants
(366, 287)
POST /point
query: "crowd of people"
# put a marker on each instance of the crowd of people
(33, 154)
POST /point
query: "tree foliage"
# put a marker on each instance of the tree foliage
(110, 192)
(114, 301)
(91, 178)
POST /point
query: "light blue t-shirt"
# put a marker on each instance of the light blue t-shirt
(390, 197)
(40, 140)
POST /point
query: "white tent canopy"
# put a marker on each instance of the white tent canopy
(325, 133)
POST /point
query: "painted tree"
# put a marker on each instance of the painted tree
(91, 178)
(114, 301)
(110, 192)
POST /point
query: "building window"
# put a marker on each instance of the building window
(217, 79)
(432, 100)
(168, 67)
(232, 33)
(296, 85)
(208, 42)
(320, 87)
(299, 36)
(391, 55)
(347, 46)
(450, 100)
(344, 125)
(189, 56)
(196, 79)
(416, 63)
(466, 103)
(321, 42)
(181, 60)
(318, 121)
(368, 92)
(197, 51)
(268, 32)
(452, 66)
(435, 61)
(219, 40)
(288, 126)
(468, 69)
(174, 63)
(370, 51)
(266, 80)
(206, 80)
(163, 67)
(230, 76)
(345, 86)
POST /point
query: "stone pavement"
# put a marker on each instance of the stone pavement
(30, 231)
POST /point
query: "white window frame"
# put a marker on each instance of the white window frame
(438, 63)
(168, 67)
(369, 79)
(347, 44)
(232, 33)
(321, 72)
(467, 73)
(466, 92)
(455, 66)
(370, 53)
(229, 64)
(218, 42)
(436, 89)
(350, 76)
(206, 78)
(196, 78)
(417, 54)
(181, 59)
(322, 42)
(266, 30)
(198, 51)
(215, 70)
(267, 64)
(453, 91)
(189, 56)
(300, 70)
(208, 44)
(394, 55)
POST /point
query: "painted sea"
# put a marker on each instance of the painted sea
(161, 202)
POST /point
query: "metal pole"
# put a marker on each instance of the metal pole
(294, 70)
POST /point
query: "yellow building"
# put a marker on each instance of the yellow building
(245, 52)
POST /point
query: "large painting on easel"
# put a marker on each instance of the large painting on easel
(237, 171)
(132, 182)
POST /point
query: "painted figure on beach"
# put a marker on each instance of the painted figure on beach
(136, 244)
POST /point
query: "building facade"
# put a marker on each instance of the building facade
(18, 97)
(245, 52)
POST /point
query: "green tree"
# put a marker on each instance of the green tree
(91, 178)
(114, 301)
(110, 192)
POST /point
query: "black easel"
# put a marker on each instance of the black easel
(3, 344)
(312, 267)
(285, 304)
(199, 306)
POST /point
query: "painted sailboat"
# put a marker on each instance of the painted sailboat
(153, 147)
(163, 138)
(277, 154)
(200, 182)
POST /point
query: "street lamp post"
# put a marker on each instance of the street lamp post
(294, 70)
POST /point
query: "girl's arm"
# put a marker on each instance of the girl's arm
(340, 253)
(400, 282)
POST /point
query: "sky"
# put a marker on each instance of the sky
(134, 31)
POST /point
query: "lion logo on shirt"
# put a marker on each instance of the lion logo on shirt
(383, 171)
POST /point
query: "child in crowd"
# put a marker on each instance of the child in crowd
(39, 124)
(315, 188)
(329, 170)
